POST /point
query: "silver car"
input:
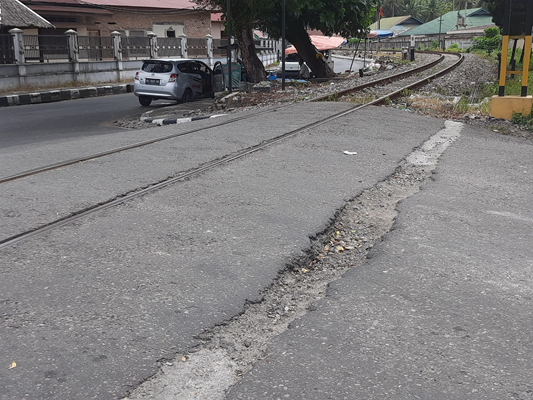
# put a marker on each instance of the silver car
(177, 79)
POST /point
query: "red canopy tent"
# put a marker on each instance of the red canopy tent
(327, 43)
(321, 43)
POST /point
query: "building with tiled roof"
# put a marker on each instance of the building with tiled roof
(166, 18)
(145, 4)
(14, 14)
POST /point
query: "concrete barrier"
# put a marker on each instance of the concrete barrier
(54, 95)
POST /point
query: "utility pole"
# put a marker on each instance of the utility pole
(228, 20)
(440, 25)
(283, 45)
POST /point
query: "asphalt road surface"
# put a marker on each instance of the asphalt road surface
(90, 309)
(38, 123)
(442, 308)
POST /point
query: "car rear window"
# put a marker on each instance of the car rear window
(157, 67)
(187, 66)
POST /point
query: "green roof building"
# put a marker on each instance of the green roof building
(396, 25)
(453, 20)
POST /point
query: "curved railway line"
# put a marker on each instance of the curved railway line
(384, 88)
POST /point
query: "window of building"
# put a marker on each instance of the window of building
(57, 18)
(171, 32)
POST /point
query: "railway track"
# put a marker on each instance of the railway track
(385, 83)
(395, 86)
(383, 89)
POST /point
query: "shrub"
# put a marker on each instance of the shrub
(489, 42)
(454, 48)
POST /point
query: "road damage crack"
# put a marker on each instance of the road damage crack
(229, 350)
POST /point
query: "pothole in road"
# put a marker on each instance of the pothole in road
(229, 350)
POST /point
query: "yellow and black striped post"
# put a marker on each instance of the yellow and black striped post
(506, 36)
(505, 106)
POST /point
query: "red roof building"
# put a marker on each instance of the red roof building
(166, 18)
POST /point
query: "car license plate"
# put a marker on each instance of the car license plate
(152, 81)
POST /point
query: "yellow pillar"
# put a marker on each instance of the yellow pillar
(503, 65)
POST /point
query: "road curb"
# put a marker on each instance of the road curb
(54, 95)
(171, 121)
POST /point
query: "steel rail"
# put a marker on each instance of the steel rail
(419, 83)
(183, 176)
(329, 97)
(117, 150)
(206, 167)
(336, 95)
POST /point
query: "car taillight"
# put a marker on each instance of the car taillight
(137, 76)
(173, 78)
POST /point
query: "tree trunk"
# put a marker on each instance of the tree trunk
(299, 38)
(254, 67)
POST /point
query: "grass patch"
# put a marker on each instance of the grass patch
(520, 119)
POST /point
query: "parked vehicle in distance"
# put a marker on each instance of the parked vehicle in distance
(177, 79)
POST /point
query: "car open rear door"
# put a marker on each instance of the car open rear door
(219, 81)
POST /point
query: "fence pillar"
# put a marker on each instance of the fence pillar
(184, 53)
(73, 50)
(117, 45)
(209, 39)
(20, 57)
(73, 53)
(18, 44)
(153, 44)
(117, 52)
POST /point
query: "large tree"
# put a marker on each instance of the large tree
(243, 17)
(432, 9)
(518, 15)
(347, 18)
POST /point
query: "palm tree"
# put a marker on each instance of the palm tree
(411, 7)
(390, 7)
(432, 9)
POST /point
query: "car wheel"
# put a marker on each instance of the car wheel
(187, 96)
(145, 100)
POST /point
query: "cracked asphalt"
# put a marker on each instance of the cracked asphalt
(439, 308)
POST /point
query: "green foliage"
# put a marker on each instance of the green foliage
(346, 18)
(492, 32)
(520, 119)
(483, 54)
(488, 89)
(454, 48)
(513, 87)
(490, 41)
(462, 105)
